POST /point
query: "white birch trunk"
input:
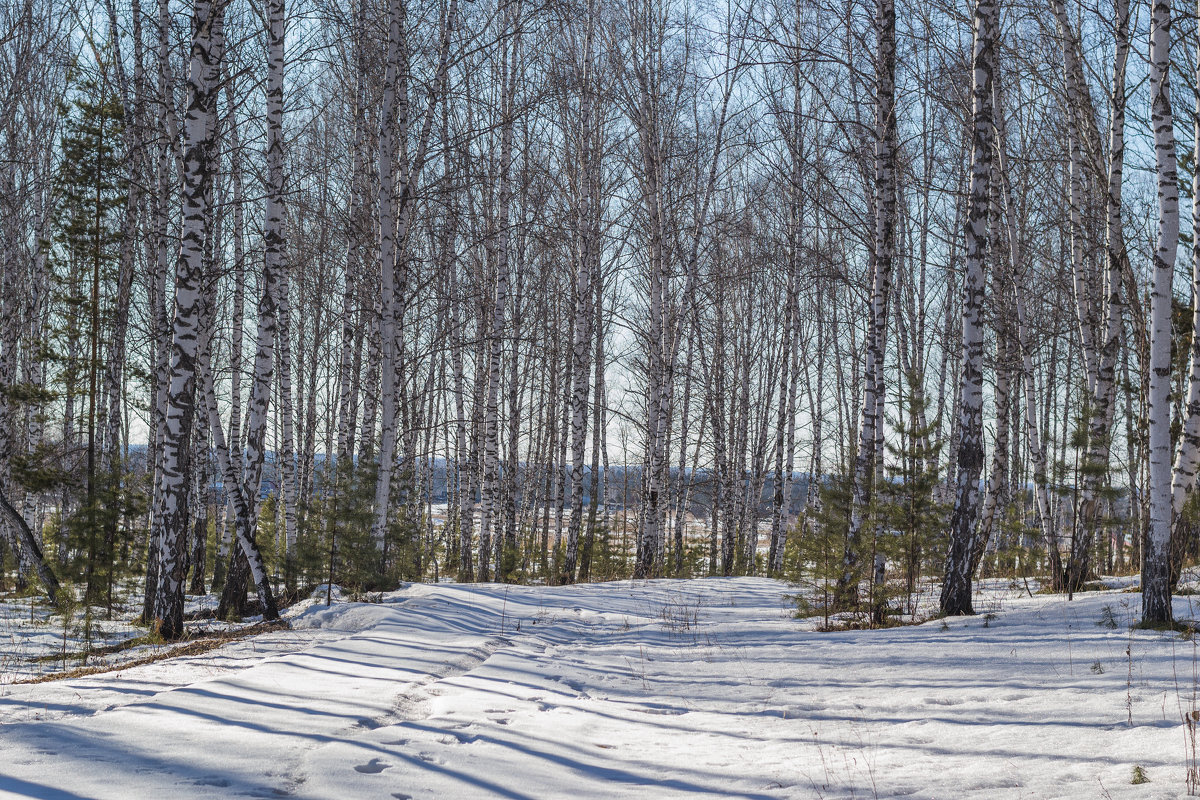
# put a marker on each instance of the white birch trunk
(286, 461)
(581, 327)
(1187, 456)
(396, 200)
(490, 495)
(956, 586)
(172, 511)
(884, 185)
(274, 284)
(1156, 589)
(168, 133)
(389, 138)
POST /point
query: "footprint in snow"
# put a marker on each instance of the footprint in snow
(372, 767)
(458, 738)
(574, 685)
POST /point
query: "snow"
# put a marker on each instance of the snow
(34, 642)
(663, 689)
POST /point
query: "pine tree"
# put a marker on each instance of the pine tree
(818, 553)
(92, 188)
(907, 500)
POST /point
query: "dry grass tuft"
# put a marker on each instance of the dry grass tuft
(193, 645)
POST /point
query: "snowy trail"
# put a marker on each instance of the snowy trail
(654, 689)
(239, 734)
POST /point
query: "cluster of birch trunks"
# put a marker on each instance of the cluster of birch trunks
(476, 268)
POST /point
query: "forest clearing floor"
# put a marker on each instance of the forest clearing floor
(646, 689)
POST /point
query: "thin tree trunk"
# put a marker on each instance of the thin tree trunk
(956, 586)
(581, 327)
(870, 426)
(395, 217)
(1156, 569)
(246, 558)
(172, 513)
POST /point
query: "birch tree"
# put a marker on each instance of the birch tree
(396, 199)
(1156, 567)
(587, 251)
(956, 585)
(882, 254)
(172, 512)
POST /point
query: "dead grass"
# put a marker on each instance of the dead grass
(861, 623)
(196, 644)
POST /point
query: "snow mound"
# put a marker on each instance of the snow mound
(347, 617)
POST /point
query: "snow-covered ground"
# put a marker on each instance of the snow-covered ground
(646, 689)
(36, 642)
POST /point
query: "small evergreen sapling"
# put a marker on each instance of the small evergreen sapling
(916, 521)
